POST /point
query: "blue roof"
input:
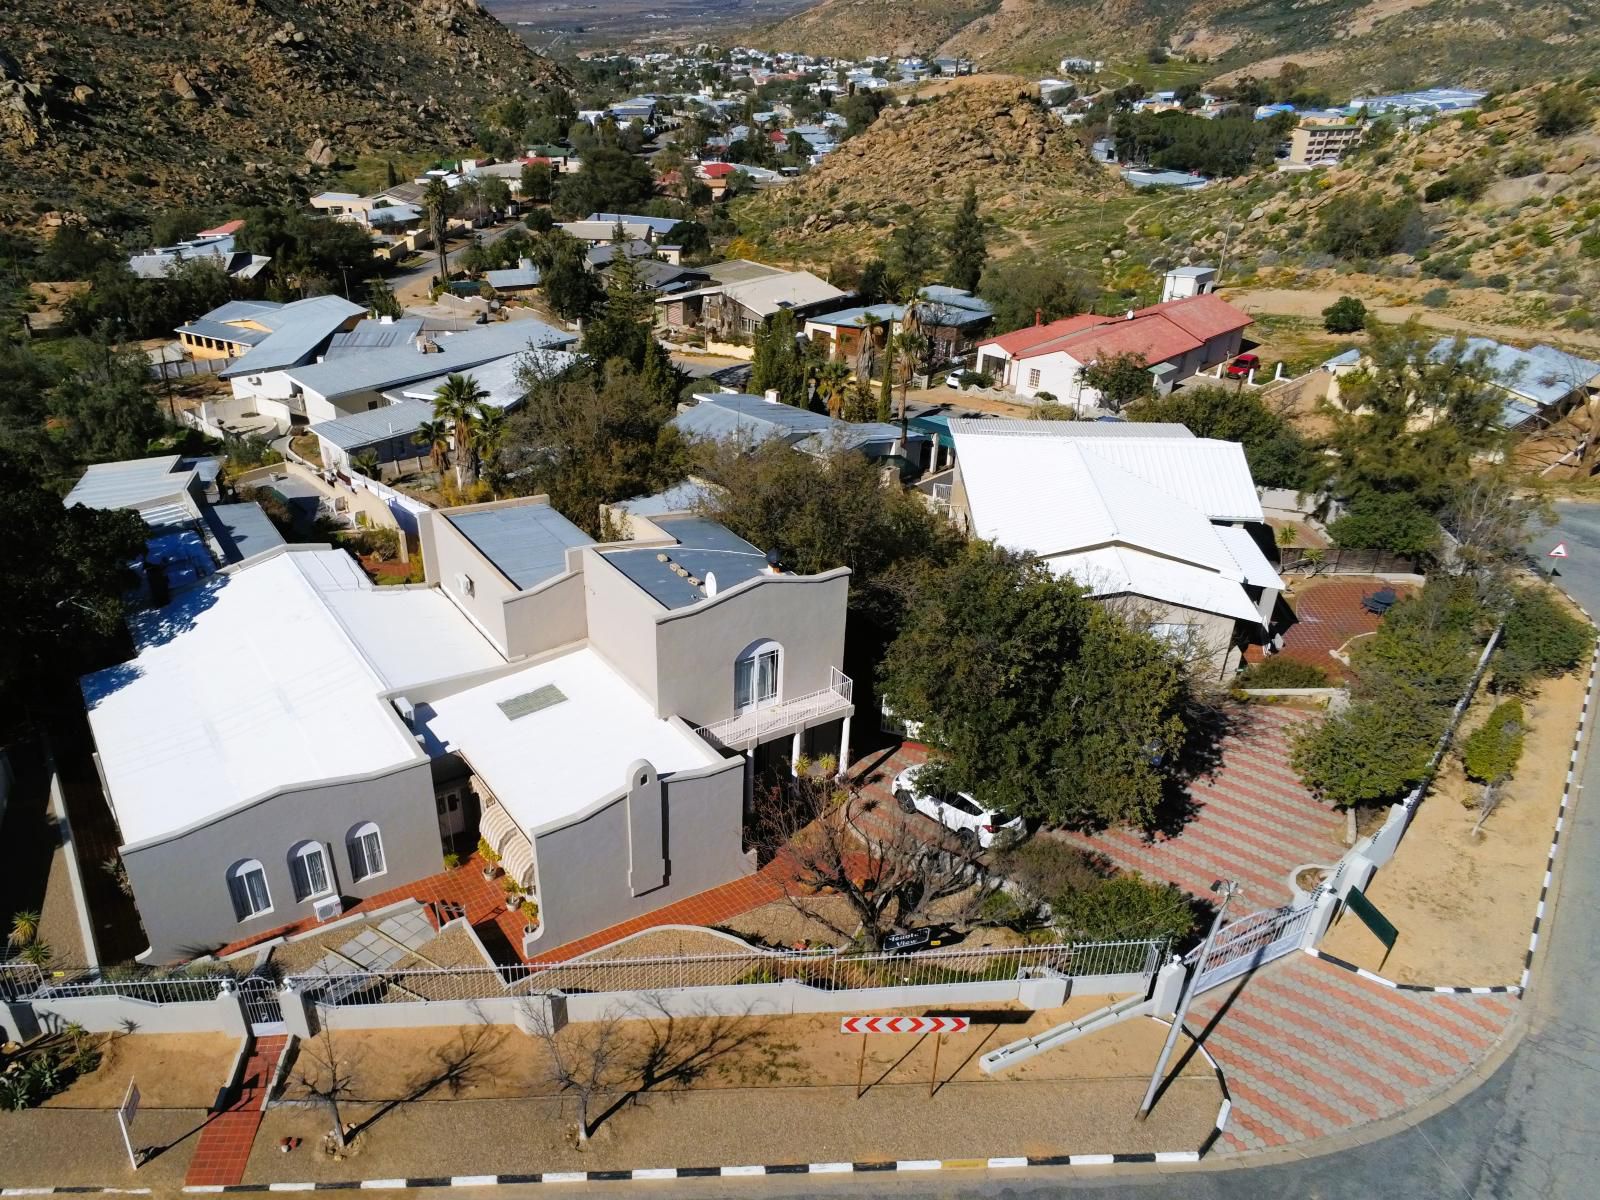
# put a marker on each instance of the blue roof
(656, 224)
(704, 548)
(1541, 374)
(375, 425)
(861, 316)
(724, 414)
(514, 277)
(299, 330)
(394, 365)
(527, 543)
(954, 297)
(224, 333)
(244, 310)
(681, 497)
(373, 335)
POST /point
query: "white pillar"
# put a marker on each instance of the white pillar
(844, 747)
(794, 754)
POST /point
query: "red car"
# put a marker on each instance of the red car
(1241, 367)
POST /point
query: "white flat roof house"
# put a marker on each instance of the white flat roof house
(1148, 515)
(289, 739)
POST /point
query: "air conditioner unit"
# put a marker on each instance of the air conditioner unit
(328, 907)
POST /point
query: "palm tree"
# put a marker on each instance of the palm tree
(907, 348)
(489, 436)
(440, 202)
(434, 437)
(459, 403)
(833, 382)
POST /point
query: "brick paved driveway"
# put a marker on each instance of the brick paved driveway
(1310, 1049)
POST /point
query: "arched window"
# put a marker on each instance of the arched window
(756, 675)
(308, 867)
(247, 881)
(366, 852)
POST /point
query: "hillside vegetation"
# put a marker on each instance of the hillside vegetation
(1349, 44)
(1025, 167)
(108, 107)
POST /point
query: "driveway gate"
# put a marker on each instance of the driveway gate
(1252, 941)
(262, 1011)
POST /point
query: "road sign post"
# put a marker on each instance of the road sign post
(922, 1026)
(1559, 553)
(125, 1115)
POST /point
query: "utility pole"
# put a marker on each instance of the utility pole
(1228, 889)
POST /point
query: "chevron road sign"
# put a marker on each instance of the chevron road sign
(904, 1024)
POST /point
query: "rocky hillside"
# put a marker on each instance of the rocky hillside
(110, 107)
(1027, 168)
(1506, 224)
(1346, 44)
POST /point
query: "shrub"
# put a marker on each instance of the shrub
(1280, 672)
(1491, 751)
(1128, 906)
(1560, 111)
(1367, 227)
(1542, 640)
(1345, 315)
(1047, 870)
(1521, 164)
(1437, 298)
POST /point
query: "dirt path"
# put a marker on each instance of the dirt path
(1309, 302)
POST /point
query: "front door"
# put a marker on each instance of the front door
(452, 813)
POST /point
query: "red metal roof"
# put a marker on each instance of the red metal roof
(1204, 317)
(1018, 341)
(222, 230)
(717, 170)
(1154, 337)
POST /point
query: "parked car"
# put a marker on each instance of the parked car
(956, 811)
(954, 380)
(1241, 367)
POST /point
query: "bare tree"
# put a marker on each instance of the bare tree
(326, 1077)
(889, 866)
(584, 1061)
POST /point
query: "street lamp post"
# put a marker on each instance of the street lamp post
(1228, 889)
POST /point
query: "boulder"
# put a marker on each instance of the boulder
(186, 91)
(320, 153)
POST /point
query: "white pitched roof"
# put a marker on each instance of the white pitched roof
(1117, 571)
(262, 678)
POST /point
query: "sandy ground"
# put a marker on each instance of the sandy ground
(173, 1071)
(786, 1094)
(83, 1147)
(1464, 908)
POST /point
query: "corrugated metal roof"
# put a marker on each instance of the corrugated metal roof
(299, 331)
(860, 316)
(243, 310)
(372, 334)
(500, 377)
(1541, 374)
(1070, 429)
(654, 224)
(1119, 571)
(793, 289)
(242, 530)
(226, 333)
(134, 483)
(375, 425)
(527, 543)
(395, 365)
(738, 415)
(704, 548)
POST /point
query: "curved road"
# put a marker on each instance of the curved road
(1531, 1131)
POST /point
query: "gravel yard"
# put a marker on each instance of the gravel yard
(173, 1071)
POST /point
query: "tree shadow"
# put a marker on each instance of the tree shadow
(1207, 727)
(475, 1055)
(1196, 1040)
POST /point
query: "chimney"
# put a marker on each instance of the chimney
(1038, 316)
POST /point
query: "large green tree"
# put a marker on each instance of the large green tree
(1022, 290)
(622, 328)
(779, 364)
(612, 180)
(966, 247)
(1037, 698)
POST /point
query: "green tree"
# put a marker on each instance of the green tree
(622, 327)
(966, 249)
(779, 363)
(105, 406)
(833, 386)
(1120, 379)
(1022, 290)
(612, 180)
(381, 301)
(1541, 640)
(495, 193)
(459, 403)
(64, 612)
(433, 438)
(176, 225)
(1353, 226)
(391, 177)
(537, 183)
(440, 201)
(1392, 521)
(568, 285)
(1491, 751)
(913, 255)
(1124, 908)
(1037, 698)
(1345, 315)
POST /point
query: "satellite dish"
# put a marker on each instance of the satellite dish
(711, 583)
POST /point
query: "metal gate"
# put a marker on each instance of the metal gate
(262, 1011)
(1250, 942)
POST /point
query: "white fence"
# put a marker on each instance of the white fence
(1252, 941)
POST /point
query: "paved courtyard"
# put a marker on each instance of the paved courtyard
(1328, 614)
(1310, 1049)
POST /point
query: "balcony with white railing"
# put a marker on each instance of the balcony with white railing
(756, 725)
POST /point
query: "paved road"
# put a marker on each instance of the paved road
(412, 285)
(1530, 1132)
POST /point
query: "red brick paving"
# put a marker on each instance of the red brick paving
(224, 1146)
(1328, 614)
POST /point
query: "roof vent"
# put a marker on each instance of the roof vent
(692, 581)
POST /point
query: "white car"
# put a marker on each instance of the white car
(956, 811)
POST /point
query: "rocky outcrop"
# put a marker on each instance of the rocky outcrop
(106, 106)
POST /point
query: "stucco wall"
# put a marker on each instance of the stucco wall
(583, 867)
(446, 555)
(698, 646)
(622, 623)
(548, 616)
(181, 884)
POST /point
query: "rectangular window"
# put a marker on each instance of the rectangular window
(1033, 377)
(250, 896)
(371, 854)
(767, 677)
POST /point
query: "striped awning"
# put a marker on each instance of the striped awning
(515, 850)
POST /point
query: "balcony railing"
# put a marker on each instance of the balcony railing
(753, 725)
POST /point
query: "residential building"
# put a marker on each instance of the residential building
(216, 247)
(953, 320)
(749, 420)
(1182, 282)
(1176, 338)
(1324, 137)
(513, 281)
(301, 332)
(597, 713)
(1166, 525)
(853, 335)
(738, 309)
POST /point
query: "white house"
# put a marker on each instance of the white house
(1148, 515)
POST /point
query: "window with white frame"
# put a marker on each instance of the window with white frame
(247, 881)
(1033, 377)
(366, 852)
(755, 676)
(308, 867)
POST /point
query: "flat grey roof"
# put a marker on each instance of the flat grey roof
(375, 424)
(527, 543)
(298, 330)
(704, 548)
(242, 530)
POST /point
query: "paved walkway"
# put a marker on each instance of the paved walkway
(224, 1147)
(1310, 1049)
